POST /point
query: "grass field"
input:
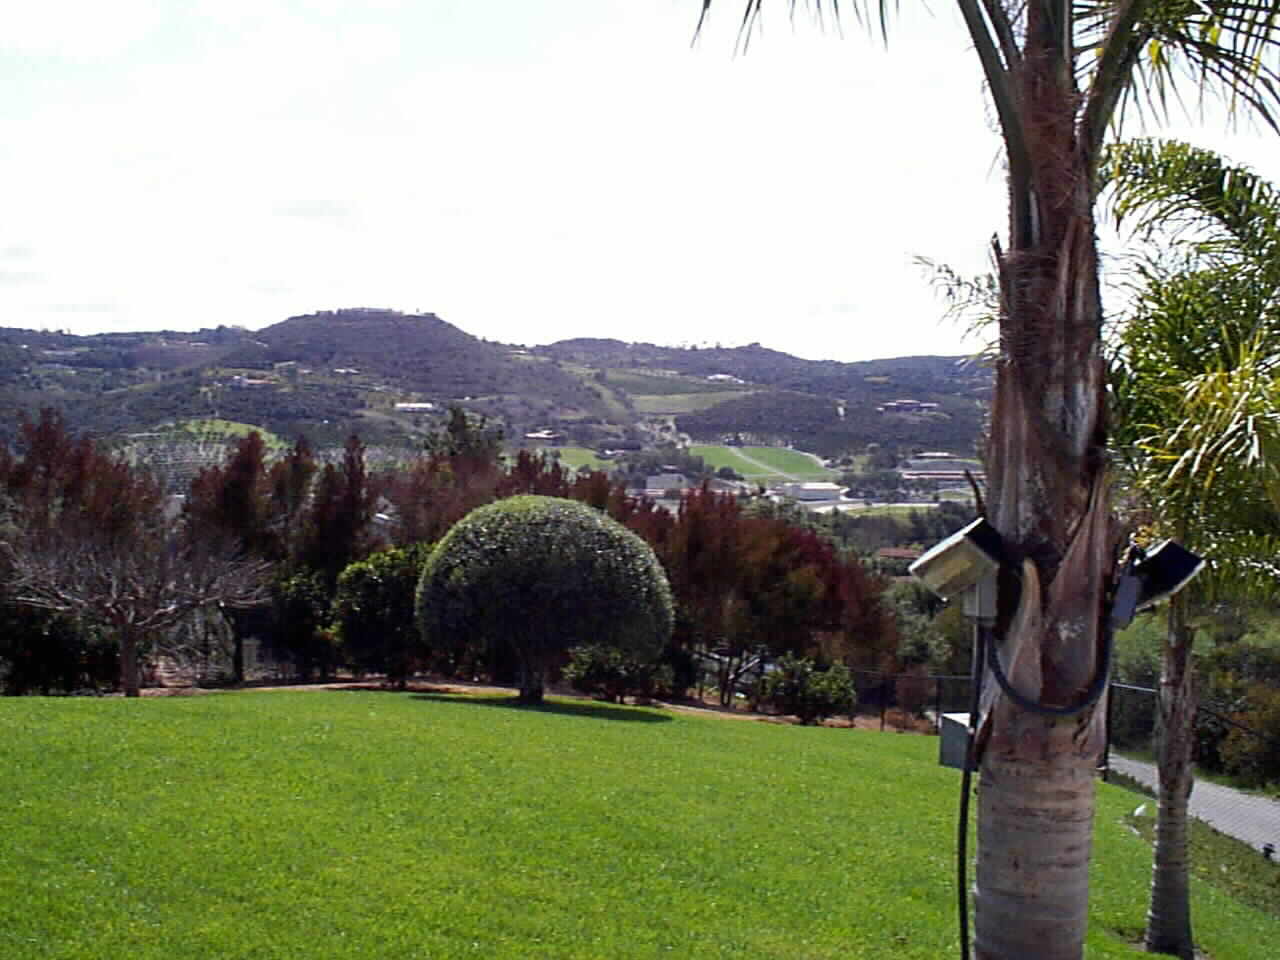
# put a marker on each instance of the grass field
(580, 457)
(641, 384)
(680, 402)
(765, 464)
(361, 824)
(211, 428)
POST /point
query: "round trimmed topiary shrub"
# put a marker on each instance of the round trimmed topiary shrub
(540, 575)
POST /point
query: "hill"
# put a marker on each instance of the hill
(327, 373)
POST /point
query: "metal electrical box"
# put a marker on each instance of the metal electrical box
(953, 740)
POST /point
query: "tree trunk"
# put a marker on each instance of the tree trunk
(1048, 498)
(530, 681)
(1035, 824)
(129, 680)
(1169, 915)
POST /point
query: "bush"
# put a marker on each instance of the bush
(537, 575)
(1253, 755)
(796, 686)
(373, 612)
(51, 653)
(601, 671)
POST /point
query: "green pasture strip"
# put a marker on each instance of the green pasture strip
(361, 824)
(638, 383)
(779, 463)
(891, 510)
(680, 402)
(217, 428)
(579, 457)
(788, 461)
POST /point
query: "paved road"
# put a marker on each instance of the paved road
(1252, 819)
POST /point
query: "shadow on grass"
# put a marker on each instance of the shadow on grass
(597, 711)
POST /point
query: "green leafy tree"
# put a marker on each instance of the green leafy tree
(537, 575)
(300, 613)
(1195, 383)
(373, 612)
(1056, 73)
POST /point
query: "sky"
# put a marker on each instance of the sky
(529, 171)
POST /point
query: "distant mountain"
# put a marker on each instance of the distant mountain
(327, 373)
(824, 406)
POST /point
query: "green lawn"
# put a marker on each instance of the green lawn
(352, 824)
(579, 457)
(765, 464)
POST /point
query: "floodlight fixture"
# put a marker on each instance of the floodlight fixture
(961, 561)
(1152, 577)
(1164, 571)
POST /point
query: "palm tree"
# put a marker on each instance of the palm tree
(1196, 378)
(1057, 72)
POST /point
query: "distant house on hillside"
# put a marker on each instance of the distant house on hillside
(810, 492)
(907, 554)
(894, 561)
(907, 406)
(662, 483)
(942, 468)
(415, 407)
(545, 436)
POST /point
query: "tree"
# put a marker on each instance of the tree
(373, 611)
(90, 539)
(335, 529)
(233, 501)
(539, 575)
(138, 588)
(798, 687)
(1195, 381)
(1056, 73)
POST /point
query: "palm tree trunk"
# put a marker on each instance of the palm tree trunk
(1048, 498)
(1035, 824)
(1169, 914)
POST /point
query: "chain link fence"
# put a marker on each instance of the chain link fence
(1133, 728)
(912, 700)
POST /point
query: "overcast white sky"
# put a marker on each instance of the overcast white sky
(527, 170)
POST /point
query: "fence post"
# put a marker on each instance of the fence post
(1106, 733)
(937, 705)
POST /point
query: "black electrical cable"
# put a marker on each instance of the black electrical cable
(984, 651)
(1091, 696)
(966, 778)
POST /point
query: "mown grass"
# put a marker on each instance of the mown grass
(344, 824)
(779, 463)
(575, 457)
(680, 402)
(1216, 859)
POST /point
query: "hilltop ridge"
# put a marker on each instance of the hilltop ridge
(329, 372)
